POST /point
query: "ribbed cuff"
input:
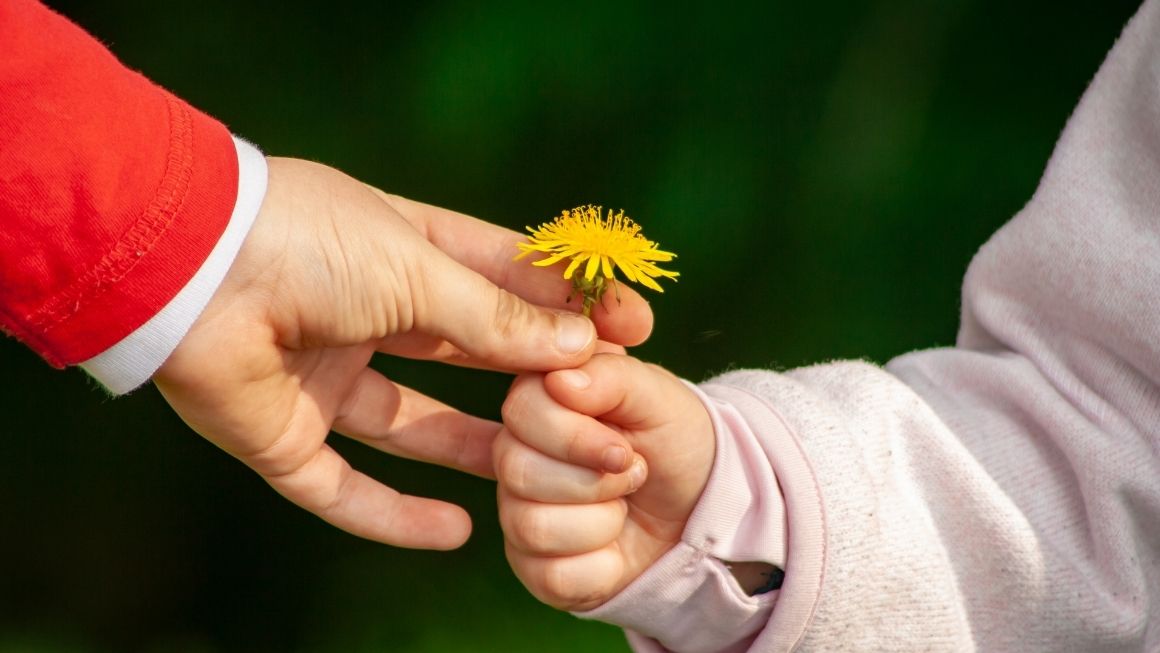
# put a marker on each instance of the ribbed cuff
(688, 600)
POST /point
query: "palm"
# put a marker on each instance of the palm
(330, 274)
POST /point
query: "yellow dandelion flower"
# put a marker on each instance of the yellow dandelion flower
(601, 245)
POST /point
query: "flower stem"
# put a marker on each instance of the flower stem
(591, 292)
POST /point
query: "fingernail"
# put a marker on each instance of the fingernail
(636, 475)
(575, 379)
(614, 459)
(573, 333)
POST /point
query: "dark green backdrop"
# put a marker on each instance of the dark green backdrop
(824, 170)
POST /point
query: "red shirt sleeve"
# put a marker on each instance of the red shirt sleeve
(112, 190)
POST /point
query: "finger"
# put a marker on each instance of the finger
(490, 324)
(526, 473)
(427, 346)
(559, 529)
(400, 421)
(605, 347)
(489, 250)
(621, 389)
(660, 417)
(546, 426)
(574, 583)
(327, 486)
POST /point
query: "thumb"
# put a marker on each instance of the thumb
(622, 390)
(663, 420)
(493, 325)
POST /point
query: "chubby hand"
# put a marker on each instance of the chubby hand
(332, 272)
(575, 534)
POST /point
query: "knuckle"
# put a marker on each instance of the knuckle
(515, 406)
(511, 471)
(499, 448)
(509, 321)
(507, 514)
(564, 590)
(557, 585)
(532, 530)
(283, 456)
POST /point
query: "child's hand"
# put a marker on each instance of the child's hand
(575, 535)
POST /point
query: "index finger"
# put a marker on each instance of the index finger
(543, 424)
(489, 250)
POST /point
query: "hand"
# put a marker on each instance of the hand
(575, 535)
(331, 272)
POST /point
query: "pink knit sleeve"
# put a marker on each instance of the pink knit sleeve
(1002, 495)
(689, 600)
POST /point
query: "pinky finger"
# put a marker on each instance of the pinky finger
(574, 583)
(552, 529)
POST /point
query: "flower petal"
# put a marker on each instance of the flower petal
(607, 241)
(572, 266)
(593, 265)
(550, 260)
(628, 269)
(647, 281)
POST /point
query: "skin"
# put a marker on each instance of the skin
(333, 272)
(575, 534)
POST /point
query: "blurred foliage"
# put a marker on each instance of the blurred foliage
(825, 172)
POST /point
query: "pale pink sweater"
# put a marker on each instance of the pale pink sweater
(1003, 495)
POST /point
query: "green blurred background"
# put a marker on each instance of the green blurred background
(824, 170)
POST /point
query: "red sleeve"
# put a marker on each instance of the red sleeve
(112, 190)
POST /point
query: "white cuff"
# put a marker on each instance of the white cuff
(132, 361)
